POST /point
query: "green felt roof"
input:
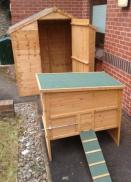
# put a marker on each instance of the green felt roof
(56, 81)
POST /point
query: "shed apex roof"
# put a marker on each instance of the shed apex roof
(35, 17)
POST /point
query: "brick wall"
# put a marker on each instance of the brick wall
(117, 59)
(22, 9)
(4, 20)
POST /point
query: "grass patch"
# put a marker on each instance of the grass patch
(9, 128)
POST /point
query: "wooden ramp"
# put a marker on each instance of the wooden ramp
(94, 156)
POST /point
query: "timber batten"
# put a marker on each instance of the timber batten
(50, 41)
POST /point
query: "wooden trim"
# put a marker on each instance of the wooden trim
(107, 128)
(82, 22)
(47, 106)
(65, 135)
(100, 176)
(78, 21)
(85, 25)
(93, 151)
(37, 79)
(119, 115)
(93, 114)
(115, 132)
(97, 163)
(83, 112)
(43, 119)
(81, 89)
(80, 60)
(89, 140)
(65, 14)
(48, 144)
(56, 127)
(78, 121)
(71, 72)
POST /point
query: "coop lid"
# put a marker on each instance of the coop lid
(55, 82)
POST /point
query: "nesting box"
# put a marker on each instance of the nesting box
(51, 41)
(76, 102)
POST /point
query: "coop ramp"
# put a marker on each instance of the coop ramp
(94, 157)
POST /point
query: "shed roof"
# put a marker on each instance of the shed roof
(38, 16)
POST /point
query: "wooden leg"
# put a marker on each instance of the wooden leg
(115, 134)
(48, 144)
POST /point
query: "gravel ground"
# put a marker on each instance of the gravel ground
(31, 167)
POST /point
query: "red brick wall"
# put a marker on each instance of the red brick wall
(126, 80)
(118, 31)
(118, 44)
(21, 9)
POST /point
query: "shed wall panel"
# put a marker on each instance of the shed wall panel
(27, 58)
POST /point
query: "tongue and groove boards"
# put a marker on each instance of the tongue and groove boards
(95, 157)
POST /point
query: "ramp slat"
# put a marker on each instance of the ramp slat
(94, 156)
(104, 179)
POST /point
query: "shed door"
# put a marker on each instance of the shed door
(80, 45)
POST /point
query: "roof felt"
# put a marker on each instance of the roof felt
(49, 81)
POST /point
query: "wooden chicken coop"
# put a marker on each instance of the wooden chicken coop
(76, 102)
(51, 41)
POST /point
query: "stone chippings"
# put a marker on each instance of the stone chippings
(31, 167)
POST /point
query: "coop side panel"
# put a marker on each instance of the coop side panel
(27, 58)
(72, 112)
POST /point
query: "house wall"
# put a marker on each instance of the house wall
(22, 9)
(117, 58)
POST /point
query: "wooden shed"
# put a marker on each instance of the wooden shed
(51, 41)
